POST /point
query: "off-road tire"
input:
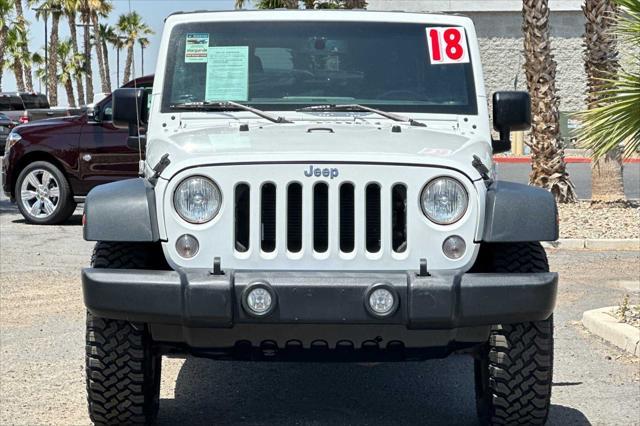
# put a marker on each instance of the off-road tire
(65, 207)
(514, 370)
(122, 365)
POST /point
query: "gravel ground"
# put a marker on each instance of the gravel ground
(42, 361)
(587, 220)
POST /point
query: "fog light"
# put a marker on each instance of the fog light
(381, 300)
(454, 247)
(259, 299)
(187, 246)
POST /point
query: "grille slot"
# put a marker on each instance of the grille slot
(347, 220)
(321, 217)
(268, 217)
(242, 222)
(372, 218)
(399, 218)
(294, 217)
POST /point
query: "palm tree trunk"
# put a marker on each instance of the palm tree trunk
(107, 68)
(74, 46)
(128, 64)
(601, 61)
(88, 76)
(53, 60)
(104, 79)
(18, 72)
(26, 66)
(547, 154)
(3, 41)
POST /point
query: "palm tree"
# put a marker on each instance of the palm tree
(144, 43)
(37, 59)
(53, 8)
(548, 165)
(28, 79)
(85, 14)
(13, 43)
(5, 12)
(100, 9)
(71, 8)
(132, 28)
(69, 62)
(616, 118)
(107, 35)
(601, 60)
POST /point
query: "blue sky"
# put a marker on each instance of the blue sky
(153, 12)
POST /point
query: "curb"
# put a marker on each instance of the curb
(630, 244)
(624, 336)
(527, 159)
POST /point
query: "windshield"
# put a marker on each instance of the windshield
(290, 65)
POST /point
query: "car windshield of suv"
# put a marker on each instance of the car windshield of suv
(34, 101)
(11, 103)
(283, 65)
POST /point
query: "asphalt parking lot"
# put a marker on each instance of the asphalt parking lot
(42, 355)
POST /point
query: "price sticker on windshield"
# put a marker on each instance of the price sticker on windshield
(447, 45)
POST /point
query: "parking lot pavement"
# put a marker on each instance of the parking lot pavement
(42, 355)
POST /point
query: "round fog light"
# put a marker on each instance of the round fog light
(259, 300)
(454, 247)
(187, 246)
(381, 300)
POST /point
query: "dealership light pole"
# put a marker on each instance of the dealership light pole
(45, 11)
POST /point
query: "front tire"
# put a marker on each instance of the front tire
(514, 370)
(123, 368)
(43, 194)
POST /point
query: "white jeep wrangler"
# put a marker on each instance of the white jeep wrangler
(319, 185)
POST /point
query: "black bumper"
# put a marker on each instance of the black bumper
(199, 299)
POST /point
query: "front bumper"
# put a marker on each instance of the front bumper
(198, 299)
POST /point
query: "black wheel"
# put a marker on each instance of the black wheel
(43, 194)
(514, 370)
(123, 368)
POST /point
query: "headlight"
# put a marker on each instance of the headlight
(197, 199)
(444, 200)
(12, 138)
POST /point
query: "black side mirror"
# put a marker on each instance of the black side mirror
(130, 110)
(511, 112)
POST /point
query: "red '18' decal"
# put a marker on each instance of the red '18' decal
(447, 45)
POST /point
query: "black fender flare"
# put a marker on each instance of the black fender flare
(121, 211)
(519, 213)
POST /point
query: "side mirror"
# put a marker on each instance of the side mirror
(130, 110)
(511, 112)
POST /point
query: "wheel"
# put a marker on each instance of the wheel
(123, 368)
(513, 371)
(43, 194)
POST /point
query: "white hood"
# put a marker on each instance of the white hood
(360, 142)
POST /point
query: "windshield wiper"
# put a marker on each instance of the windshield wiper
(226, 106)
(362, 108)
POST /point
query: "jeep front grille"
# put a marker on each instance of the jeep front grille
(359, 218)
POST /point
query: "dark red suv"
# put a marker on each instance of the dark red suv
(49, 166)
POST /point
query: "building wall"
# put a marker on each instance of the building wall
(499, 28)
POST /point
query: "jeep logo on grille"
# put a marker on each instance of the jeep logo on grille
(318, 172)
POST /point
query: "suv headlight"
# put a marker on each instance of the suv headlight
(444, 200)
(197, 199)
(12, 138)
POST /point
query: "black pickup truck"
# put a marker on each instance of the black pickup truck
(25, 107)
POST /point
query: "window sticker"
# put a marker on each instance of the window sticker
(196, 49)
(227, 74)
(447, 45)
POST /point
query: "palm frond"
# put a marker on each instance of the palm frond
(617, 120)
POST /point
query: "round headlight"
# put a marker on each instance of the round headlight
(197, 199)
(444, 200)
